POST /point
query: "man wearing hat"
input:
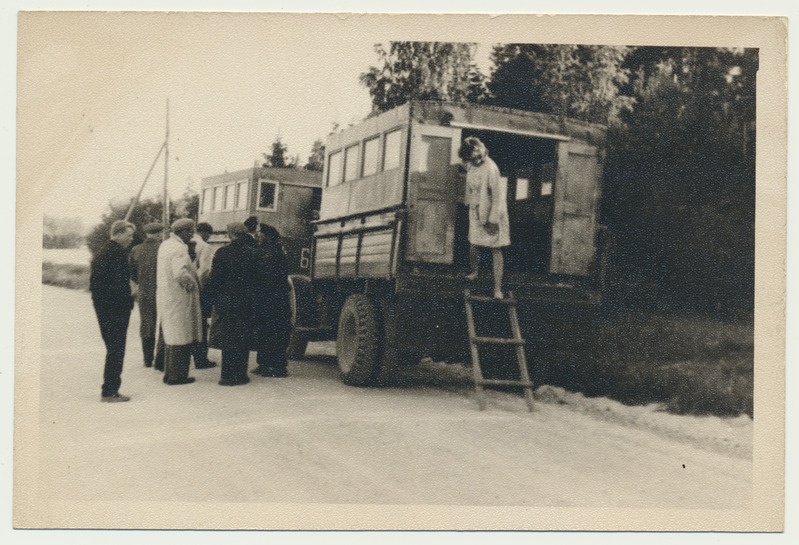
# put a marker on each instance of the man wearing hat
(231, 291)
(178, 302)
(143, 261)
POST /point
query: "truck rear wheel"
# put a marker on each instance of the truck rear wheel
(358, 341)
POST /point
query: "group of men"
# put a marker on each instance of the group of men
(180, 284)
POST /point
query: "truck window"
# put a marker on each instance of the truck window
(267, 195)
(206, 206)
(241, 201)
(371, 149)
(218, 197)
(334, 169)
(230, 192)
(351, 163)
(391, 150)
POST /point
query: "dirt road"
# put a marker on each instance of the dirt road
(309, 439)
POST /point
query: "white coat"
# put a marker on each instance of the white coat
(178, 307)
(205, 256)
(486, 195)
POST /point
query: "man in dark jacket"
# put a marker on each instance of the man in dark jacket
(272, 325)
(230, 290)
(143, 261)
(109, 282)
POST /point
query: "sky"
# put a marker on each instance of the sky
(94, 90)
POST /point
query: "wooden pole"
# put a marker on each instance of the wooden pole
(138, 195)
(165, 212)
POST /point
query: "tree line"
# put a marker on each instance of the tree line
(679, 180)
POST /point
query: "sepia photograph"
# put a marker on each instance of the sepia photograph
(459, 272)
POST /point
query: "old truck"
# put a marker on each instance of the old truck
(389, 250)
(286, 198)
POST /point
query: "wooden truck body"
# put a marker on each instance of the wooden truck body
(390, 248)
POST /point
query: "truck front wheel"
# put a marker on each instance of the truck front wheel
(358, 341)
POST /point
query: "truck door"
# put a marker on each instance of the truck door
(432, 193)
(574, 216)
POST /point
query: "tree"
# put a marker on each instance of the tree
(679, 176)
(277, 159)
(579, 81)
(316, 161)
(61, 232)
(422, 70)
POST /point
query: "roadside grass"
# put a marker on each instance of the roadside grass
(65, 275)
(692, 365)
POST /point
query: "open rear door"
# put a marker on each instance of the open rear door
(574, 215)
(432, 193)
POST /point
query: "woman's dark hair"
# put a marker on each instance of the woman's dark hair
(468, 146)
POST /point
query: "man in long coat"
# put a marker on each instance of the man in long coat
(272, 325)
(109, 282)
(143, 262)
(230, 290)
(178, 302)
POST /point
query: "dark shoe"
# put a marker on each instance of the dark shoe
(159, 368)
(116, 398)
(259, 371)
(187, 380)
(233, 382)
(150, 364)
(274, 373)
(207, 365)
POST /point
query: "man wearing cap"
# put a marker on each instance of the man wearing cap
(143, 261)
(231, 291)
(109, 282)
(178, 302)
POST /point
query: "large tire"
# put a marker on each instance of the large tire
(301, 296)
(358, 341)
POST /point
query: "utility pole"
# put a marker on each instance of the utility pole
(165, 212)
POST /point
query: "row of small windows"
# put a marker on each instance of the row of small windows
(236, 196)
(373, 161)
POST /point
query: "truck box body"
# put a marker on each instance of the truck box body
(393, 192)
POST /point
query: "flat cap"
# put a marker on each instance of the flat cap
(236, 230)
(153, 227)
(182, 224)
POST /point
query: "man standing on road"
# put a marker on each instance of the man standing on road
(143, 261)
(178, 302)
(109, 282)
(231, 291)
(272, 325)
(203, 257)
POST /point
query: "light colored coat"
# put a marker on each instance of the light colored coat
(205, 256)
(178, 307)
(486, 195)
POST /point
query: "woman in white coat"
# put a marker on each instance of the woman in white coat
(486, 197)
(178, 302)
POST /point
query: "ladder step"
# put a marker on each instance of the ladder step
(497, 340)
(498, 382)
(488, 299)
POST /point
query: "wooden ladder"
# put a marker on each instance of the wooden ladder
(517, 341)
